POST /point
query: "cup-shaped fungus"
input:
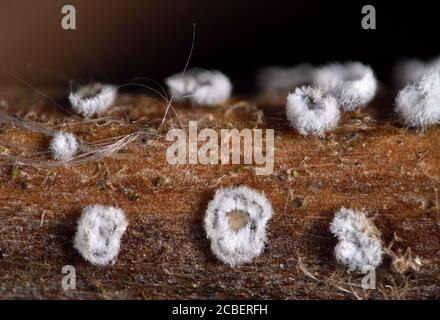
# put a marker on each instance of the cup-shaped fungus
(235, 223)
(93, 98)
(352, 84)
(201, 87)
(99, 233)
(418, 104)
(311, 111)
(359, 245)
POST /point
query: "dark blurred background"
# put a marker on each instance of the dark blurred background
(118, 40)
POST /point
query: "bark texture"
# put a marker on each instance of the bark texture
(370, 162)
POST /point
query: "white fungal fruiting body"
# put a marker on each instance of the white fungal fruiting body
(418, 104)
(359, 243)
(311, 111)
(93, 99)
(63, 146)
(231, 246)
(201, 87)
(99, 233)
(353, 84)
(282, 79)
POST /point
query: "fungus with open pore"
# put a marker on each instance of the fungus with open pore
(235, 222)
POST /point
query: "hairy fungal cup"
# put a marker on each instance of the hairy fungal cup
(63, 146)
(93, 99)
(353, 84)
(281, 79)
(418, 104)
(99, 233)
(311, 111)
(359, 243)
(201, 87)
(235, 223)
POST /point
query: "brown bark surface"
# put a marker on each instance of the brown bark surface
(370, 162)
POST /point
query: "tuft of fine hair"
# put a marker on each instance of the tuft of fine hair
(418, 104)
(359, 244)
(63, 146)
(99, 233)
(235, 247)
(312, 111)
(282, 79)
(201, 87)
(93, 99)
(353, 84)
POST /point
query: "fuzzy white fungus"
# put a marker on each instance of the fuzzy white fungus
(63, 146)
(353, 84)
(412, 70)
(235, 223)
(418, 104)
(281, 79)
(99, 233)
(201, 87)
(359, 243)
(311, 111)
(93, 99)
